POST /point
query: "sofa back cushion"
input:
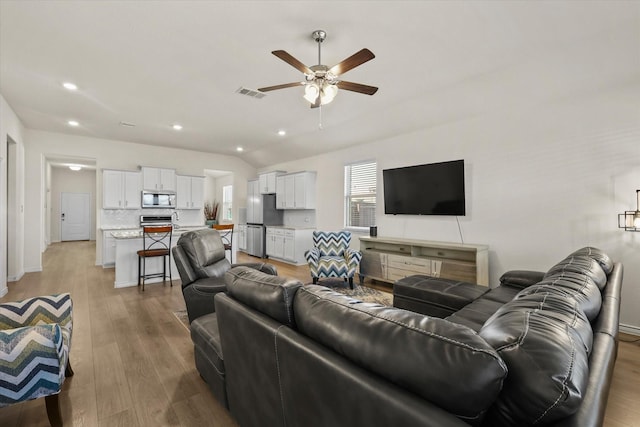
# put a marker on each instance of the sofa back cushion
(445, 363)
(579, 287)
(543, 344)
(205, 251)
(581, 264)
(271, 295)
(598, 255)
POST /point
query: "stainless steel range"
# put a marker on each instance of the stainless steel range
(150, 220)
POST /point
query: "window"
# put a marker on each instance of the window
(227, 197)
(360, 194)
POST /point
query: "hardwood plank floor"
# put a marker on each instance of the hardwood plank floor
(133, 360)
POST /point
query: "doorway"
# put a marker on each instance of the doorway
(75, 216)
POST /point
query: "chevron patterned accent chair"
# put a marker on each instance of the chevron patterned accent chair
(35, 338)
(331, 256)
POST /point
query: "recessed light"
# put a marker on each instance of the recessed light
(282, 132)
(177, 127)
(69, 86)
(75, 167)
(239, 149)
(73, 123)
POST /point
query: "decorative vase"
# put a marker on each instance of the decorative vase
(211, 222)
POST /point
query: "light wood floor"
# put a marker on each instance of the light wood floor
(133, 360)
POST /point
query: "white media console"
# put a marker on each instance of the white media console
(390, 259)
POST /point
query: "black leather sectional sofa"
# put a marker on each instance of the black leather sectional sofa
(538, 349)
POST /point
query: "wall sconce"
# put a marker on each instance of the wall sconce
(630, 220)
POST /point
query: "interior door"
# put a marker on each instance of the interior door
(75, 216)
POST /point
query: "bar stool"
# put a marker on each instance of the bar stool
(226, 233)
(156, 242)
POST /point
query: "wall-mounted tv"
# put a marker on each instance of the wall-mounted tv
(429, 189)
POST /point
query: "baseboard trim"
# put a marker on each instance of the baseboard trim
(33, 270)
(630, 329)
(16, 277)
(4, 291)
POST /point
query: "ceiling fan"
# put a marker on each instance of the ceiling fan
(321, 83)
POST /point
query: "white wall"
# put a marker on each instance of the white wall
(540, 182)
(64, 180)
(109, 154)
(10, 126)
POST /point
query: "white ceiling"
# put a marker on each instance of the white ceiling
(155, 63)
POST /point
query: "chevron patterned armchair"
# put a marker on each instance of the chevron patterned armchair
(35, 338)
(331, 256)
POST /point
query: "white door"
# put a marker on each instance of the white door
(75, 216)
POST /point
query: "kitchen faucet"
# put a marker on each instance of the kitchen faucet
(176, 220)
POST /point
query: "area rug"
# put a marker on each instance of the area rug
(181, 316)
(363, 293)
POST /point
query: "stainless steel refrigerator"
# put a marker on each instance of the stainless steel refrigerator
(261, 211)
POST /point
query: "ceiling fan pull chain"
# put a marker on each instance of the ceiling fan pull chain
(320, 117)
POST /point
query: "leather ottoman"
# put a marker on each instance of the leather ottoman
(434, 296)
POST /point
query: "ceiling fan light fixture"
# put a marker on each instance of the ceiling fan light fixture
(311, 92)
(327, 94)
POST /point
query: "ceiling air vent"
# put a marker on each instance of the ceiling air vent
(250, 92)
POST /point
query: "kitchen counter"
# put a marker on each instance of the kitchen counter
(290, 227)
(137, 232)
(128, 242)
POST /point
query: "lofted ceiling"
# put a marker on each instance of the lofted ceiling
(156, 63)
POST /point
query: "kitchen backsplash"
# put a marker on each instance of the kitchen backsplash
(131, 217)
(300, 218)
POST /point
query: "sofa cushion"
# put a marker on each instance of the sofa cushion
(206, 336)
(443, 362)
(581, 288)
(583, 265)
(205, 251)
(542, 343)
(520, 278)
(271, 295)
(597, 254)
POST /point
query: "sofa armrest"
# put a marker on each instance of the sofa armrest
(521, 278)
(260, 266)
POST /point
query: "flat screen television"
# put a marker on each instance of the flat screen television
(429, 189)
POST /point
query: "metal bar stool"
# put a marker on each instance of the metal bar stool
(226, 233)
(156, 242)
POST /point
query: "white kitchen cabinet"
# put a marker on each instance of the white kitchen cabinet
(108, 249)
(121, 189)
(189, 192)
(158, 179)
(288, 244)
(267, 181)
(296, 191)
(241, 237)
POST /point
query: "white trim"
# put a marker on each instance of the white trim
(15, 278)
(630, 329)
(33, 270)
(4, 291)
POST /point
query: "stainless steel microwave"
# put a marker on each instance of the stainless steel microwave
(154, 199)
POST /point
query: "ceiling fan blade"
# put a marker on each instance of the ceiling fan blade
(292, 61)
(283, 86)
(357, 87)
(351, 62)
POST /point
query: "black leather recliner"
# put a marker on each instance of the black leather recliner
(200, 258)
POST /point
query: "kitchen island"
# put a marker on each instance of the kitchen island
(128, 243)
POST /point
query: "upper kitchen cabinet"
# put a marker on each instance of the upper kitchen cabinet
(296, 191)
(189, 192)
(267, 181)
(158, 179)
(121, 189)
(254, 202)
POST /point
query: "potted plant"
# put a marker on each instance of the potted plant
(211, 213)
